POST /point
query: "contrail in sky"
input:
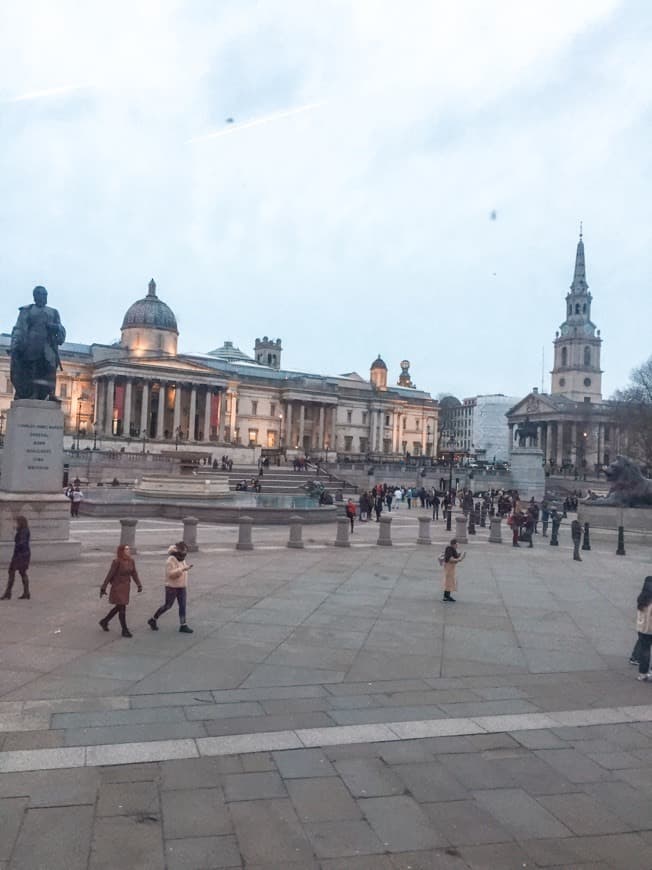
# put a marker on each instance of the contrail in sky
(255, 123)
(49, 92)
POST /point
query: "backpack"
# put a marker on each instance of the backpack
(441, 558)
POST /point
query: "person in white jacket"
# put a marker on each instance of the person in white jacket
(644, 629)
(176, 585)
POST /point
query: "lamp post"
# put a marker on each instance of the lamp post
(79, 405)
(177, 436)
(2, 429)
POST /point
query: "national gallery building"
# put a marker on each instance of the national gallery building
(142, 389)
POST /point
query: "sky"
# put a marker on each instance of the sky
(348, 205)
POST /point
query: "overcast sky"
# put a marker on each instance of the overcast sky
(360, 224)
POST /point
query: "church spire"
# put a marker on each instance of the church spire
(151, 288)
(579, 284)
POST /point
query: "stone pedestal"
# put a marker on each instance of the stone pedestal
(295, 541)
(385, 532)
(128, 533)
(495, 533)
(342, 537)
(32, 482)
(527, 474)
(190, 533)
(460, 529)
(424, 531)
(244, 534)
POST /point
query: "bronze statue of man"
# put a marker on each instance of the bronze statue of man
(34, 350)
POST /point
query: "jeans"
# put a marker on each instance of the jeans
(644, 640)
(576, 550)
(172, 593)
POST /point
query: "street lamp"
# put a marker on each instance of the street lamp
(2, 429)
(280, 431)
(79, 405)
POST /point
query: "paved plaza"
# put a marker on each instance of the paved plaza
(330, 711)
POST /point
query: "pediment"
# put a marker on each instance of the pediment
(533, 405)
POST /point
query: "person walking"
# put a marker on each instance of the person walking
(121, 573)
(20, 559)
(644, 629)
(576, 535)
(451, 559)
(545, 517)
(76, 498)
(176, 586)
(350, 512)
(435, 506)
(636, 652)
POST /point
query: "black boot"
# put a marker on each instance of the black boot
(10, 586)
(25, 588)
(122, 616)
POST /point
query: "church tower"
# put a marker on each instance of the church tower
(577, 373)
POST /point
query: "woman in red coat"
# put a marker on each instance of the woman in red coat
(121, 573)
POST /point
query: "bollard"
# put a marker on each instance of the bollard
(554, 536)
(460, 529)
(244, 534)
(385, 532)
(483, 517)
(296, 533)
(128, 533)
(471, 528)
(449, 518)
(342, 537)
(586, 543)
(476, 514)
(190, 533)
(495, 533)
(424, 531)
(621, 541)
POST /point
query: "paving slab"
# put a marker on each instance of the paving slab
(54, 838)
(322, 800)
(269, 832)
(195, 813)
(400, 823)
(196, 852)
(520, 813)
(127, 842)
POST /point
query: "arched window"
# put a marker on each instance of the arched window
(587, 356)
(584, 308)
(564, 356)
(577, 308)
(570, 309)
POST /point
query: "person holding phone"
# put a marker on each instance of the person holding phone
(451, 557)
(176, 586)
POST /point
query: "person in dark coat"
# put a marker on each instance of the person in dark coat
(121, 573)
(576, 535)
(20, 559)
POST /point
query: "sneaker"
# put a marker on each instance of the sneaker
(643, 677)
(185, 629)
(633, 661)
(152, 624)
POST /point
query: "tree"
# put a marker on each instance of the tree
(635, 412)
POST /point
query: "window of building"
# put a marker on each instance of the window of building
(587, 356)
(386, 419)
(364, 445)
(349, 416)
(63, 391)
(564, 356)
(254, 409)
(587, 382)
(253, 436)
(418, 424)
(271, 438)
(387, 445)
(364, 418)
(348, 443)
(587, 400)
(272, 409)
(416, 448)
(404, 422)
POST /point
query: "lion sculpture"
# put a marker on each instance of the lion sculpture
(628, 486)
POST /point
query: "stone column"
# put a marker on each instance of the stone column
(234, 414)
(460, 529)
(600, 443)
(385, 531)
(96, 403)
(495, 535)
(333, 439)
(559, 443)
(221, 414)
(288, 424)
(126, 417)
(176, 417)
(396, 432)
(207, 415)
(302, 421)
(573, 443)
(160, 418)
(192, 423)
(144, 411)
(110, 399)
(320, 446)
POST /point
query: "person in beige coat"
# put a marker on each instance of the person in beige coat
(451, 559)
(176, 584)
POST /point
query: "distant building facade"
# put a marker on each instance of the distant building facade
(143, 389)
(477, 426)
